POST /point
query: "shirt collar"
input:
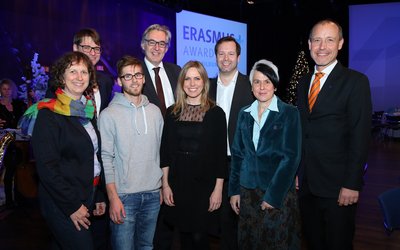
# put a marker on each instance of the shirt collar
(273, 106)
(328, 69)
(234, 79)
(150, 66)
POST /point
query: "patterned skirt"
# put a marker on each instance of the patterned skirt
(268, 229)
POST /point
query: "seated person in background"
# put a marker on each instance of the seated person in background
(11, 109)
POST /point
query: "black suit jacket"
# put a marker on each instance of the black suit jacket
(172, 71)
(105, 82)
(336, 134)
(242, 96)
(64, 157)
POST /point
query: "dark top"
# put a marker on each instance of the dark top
(12, 118)
(242, 96)
(196, 155)
(336, 133)
(64, 157)
(172, 71)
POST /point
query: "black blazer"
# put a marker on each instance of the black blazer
(242, 96)
(172, 71)
(336, 134)
(106, 84)
(64, 157)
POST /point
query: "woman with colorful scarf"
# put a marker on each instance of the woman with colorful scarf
(66, 147)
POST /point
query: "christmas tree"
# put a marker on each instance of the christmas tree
(35, 85)
(300, 69)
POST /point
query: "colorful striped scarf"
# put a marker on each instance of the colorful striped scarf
(63, 105)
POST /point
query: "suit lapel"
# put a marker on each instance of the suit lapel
(329, 84)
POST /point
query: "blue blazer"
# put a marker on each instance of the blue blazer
(272, 168)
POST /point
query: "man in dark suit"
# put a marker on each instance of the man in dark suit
(336, 132)
(232, 91)
(88, 42)
(155, 42)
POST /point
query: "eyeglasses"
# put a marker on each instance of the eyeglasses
(129, 77)
(161, 44)
(88, 49)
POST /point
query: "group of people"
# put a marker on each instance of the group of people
(177, 151)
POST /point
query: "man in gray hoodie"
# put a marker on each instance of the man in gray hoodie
(130, 129)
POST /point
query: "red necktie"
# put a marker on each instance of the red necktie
(160, 92)
(314, 91)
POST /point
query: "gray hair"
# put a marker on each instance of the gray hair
(158, 27)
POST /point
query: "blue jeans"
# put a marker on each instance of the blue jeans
(137, 231)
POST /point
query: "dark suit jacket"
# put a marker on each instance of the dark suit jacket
(242, 96)
(336, 134)
(172, 71)
(64, 157)
(105, 82)
(272, 168)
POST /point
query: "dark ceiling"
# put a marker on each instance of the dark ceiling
(276, 29)
(241, 10)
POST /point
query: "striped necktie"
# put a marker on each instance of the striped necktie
(315, 88)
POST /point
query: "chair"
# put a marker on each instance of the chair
(393, 124)
(389, 202)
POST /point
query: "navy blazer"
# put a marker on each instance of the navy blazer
(242, 96)
(172, 71)
(336, 133)
(64, 157)
(272, 168)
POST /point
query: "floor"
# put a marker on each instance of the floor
(23, 227)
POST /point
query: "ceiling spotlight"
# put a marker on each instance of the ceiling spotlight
(250, 1)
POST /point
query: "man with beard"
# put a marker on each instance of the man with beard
(131, 128)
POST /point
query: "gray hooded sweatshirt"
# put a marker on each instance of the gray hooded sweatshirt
(130, 149)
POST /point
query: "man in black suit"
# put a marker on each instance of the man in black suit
(232, 91)
(88, 42)
(155, 42)
(336, 133)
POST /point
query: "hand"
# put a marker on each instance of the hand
(81, 218)
(168, 196)
(235, 203)
(297, 182)
(117, 211)
(265, 205)
(215, 200)
(347, 197)
(100, 209)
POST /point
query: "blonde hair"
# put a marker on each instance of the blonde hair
(205, 102)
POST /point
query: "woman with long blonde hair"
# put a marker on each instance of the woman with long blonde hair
(193, 159)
